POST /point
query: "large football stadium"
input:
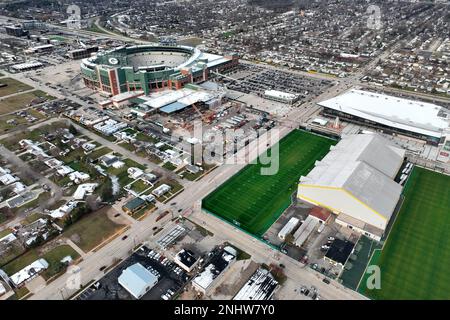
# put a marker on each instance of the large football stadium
(253, 202)
(415, 257)
(151, 68)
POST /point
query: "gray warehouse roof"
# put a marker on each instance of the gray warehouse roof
(137, 280)
(364, 165)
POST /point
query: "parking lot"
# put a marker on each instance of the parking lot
(171, 277)
(256, 79)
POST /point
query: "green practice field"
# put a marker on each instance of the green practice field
(414, 261)
(253, 201)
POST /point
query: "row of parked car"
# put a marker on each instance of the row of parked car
(327, 245)
(168, 264)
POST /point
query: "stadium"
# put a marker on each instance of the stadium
(150, 68)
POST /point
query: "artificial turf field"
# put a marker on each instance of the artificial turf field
(256, 201)
(415, 259)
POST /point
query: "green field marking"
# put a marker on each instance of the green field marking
(415, 258)
(256, 201)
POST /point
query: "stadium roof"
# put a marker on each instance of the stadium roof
(414, 116)
(356, 178)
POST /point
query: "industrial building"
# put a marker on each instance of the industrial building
(16, 31)
(27, 66)
(339, 252)
(310, 225)
(186, 259)
(151, 68)
(280, 96)
(260, 286)
(417, 119)
(172, 101)
(137, 280)
(216, 267)
(355, 180)
(82, 53)
(288, 228)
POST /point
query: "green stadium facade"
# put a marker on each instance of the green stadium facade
(151, 68)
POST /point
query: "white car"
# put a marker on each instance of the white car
(165, 297)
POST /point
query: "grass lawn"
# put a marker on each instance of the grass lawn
(139, 186)
(169, 166)
(132, 163)
(94, 28)
(22, 101)
(253, 201)
(73, 155)
(52, 256)
(92, 230)
(99, 152)
(127, 146)
(19, 122)
(32, 218)
(13, 86)
(5, 232)
(43, 196)
(146, 138)
(415, 258)
(140, 213)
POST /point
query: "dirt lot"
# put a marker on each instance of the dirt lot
(22, 101)
(13, 86)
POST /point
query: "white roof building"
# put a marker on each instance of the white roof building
(288, 227)
(281, 96)
(64, 170)
(161, 190)
(260, 286)
(134, 173)
(356, 181)
(218, 265)
(29, 272)
(137, 280)
(53, 163)
(19, 187)
(7, 179)
(78, 177)
(83, 190)
(63, 210)
(412, 116)
(310, 224)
